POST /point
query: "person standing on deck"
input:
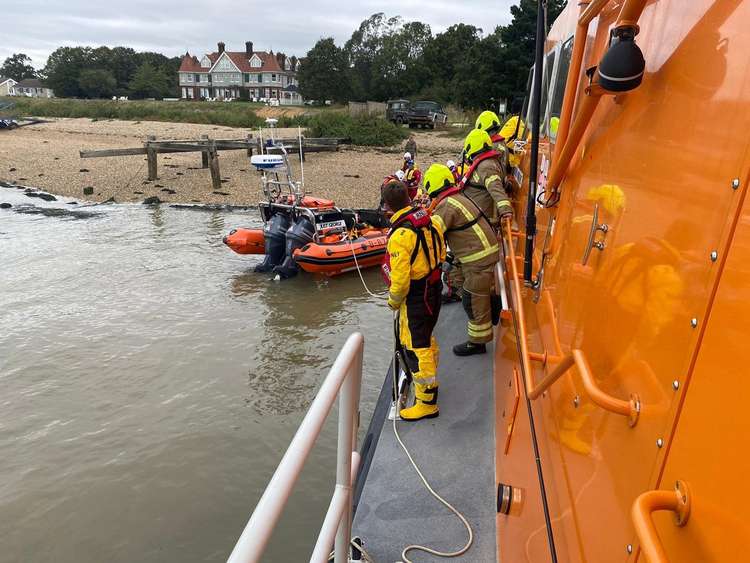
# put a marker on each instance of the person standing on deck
(414, 255)
(473, 241)
(483, 180)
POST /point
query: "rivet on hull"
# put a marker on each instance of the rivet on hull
(694, 322)
(659, 443)
(629, 548)
(675, 385)
(735, 183)
(576, 401)
(714, 256)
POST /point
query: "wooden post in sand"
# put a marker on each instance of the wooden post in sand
(249, 147)
(213, 162)
(151, 156)
(204, 154)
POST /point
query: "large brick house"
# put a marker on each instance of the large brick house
(244, 74)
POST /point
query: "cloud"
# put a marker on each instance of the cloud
(38, 27)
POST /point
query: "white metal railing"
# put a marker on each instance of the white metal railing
(343, 380)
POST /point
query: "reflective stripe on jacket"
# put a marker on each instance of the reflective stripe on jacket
(467, 231)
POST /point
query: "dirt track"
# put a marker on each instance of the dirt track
(46, 156)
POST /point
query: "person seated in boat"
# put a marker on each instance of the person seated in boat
(473, 242)
(412, 268)
(413, 180)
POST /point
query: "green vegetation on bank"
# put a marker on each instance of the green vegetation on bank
(386, 58)
(366, 130)
(320, 122)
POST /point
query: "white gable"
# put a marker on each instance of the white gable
(224, 63)
(205, 62)
(255, 61)
(6, 80)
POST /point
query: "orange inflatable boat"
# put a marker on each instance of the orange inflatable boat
(333, 258)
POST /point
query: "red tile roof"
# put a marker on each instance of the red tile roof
(190, 63)
(239, 58)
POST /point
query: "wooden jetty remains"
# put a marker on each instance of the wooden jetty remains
(209, 149)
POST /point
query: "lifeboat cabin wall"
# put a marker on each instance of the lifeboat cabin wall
(659, 313)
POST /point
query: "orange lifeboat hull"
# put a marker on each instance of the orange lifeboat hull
(246, 241)
(334, 258)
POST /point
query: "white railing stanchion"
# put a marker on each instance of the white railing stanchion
(343, 380)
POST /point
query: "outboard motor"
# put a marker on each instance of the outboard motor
(275, 241)
(298, 235)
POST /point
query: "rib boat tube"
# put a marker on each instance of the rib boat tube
(334, 258)
(246, 241)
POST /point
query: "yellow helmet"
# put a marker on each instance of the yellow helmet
(488, 121)
(437, 178)
(477, 141)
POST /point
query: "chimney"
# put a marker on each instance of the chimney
(221, 47)
(249, 48)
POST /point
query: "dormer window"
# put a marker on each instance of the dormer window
(205, 62)
(255, 62)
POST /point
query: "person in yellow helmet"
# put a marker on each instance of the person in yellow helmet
(503, 135)
(483, 181)
(412, 267)
(473, 241)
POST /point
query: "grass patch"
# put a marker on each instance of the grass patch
(366, 130)
(319, 122)
(212, 113)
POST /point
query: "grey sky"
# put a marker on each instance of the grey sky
(37, 27)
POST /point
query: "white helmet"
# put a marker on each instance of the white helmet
(400, 174)
(450, 164)
(407, 156)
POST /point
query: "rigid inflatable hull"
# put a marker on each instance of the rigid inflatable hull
(332, 259)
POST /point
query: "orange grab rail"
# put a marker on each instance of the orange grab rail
(678, 501)
(569, 137)
(630, 408)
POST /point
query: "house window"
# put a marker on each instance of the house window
(255, 62)
(189, 77)
(260, 77)
(247, 77)
(206, 62)
(273, 78)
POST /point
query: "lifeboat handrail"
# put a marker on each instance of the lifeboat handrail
(630, 408)
(569, 136)
(343, 381)
(677, 501)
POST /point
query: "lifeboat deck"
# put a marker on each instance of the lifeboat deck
(456, 453)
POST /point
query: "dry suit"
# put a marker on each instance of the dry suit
(414, 254)
(473, 241)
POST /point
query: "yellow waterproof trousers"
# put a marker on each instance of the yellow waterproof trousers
(417, 319)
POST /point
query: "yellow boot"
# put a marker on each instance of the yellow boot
(425, 404)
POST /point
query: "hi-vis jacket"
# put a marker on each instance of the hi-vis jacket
(466, 229)
(409, 262)
(484, 185)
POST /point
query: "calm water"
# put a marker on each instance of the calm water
(150, 383)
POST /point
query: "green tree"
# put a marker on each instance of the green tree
(148, 82)
(64, 67)
(397, 67)
(323, 75)
(17, 66)
(518, 40)
(97, 83)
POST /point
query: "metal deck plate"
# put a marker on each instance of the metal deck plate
(456, 452)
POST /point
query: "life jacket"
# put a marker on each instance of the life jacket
(474, 164)
(416, 220)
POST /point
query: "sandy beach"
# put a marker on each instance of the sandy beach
(47, 156)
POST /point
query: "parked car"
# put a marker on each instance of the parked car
(426, 114)
(396, 111)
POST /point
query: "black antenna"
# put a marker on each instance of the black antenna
(536, 100)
